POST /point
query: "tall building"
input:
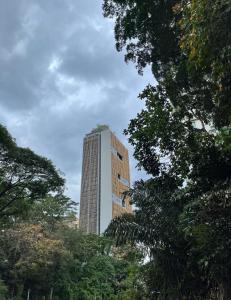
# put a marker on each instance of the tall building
(105, 176)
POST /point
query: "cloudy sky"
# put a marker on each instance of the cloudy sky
(60, 75)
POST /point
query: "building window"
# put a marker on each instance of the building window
(120, 156)
(123, 180)
(117, 199)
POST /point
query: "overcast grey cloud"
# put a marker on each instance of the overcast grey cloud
(60, 76)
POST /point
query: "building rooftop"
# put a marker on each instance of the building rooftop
(100, 128)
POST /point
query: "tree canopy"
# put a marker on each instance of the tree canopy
(24, 177)
(182, 139)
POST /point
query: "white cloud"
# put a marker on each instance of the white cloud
(54, 64)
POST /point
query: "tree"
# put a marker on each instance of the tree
(30, 259)
(187, 45)
(182, 139)
(188, 240)
(3, 290)
(64, 263)
(206, 42)
(146, 29)
(51, 211)
(24, 177)
(155, 225)
(97, 271)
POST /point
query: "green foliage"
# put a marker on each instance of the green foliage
(24, 177)
(144, 28)
(28, 252)
(223, 137)
(99, 128)
(3, 290)
(182, 139)
(206, 41)
(72, 264)
(51, 210)
(187, 44)
(188, 240)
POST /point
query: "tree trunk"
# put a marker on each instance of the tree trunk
(51, 293)
(28, 294)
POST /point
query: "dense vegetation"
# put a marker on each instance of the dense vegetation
(42, 256)
(182, 138)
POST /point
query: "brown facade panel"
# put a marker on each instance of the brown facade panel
(120, 176)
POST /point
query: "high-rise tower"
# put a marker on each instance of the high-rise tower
(105, 176)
